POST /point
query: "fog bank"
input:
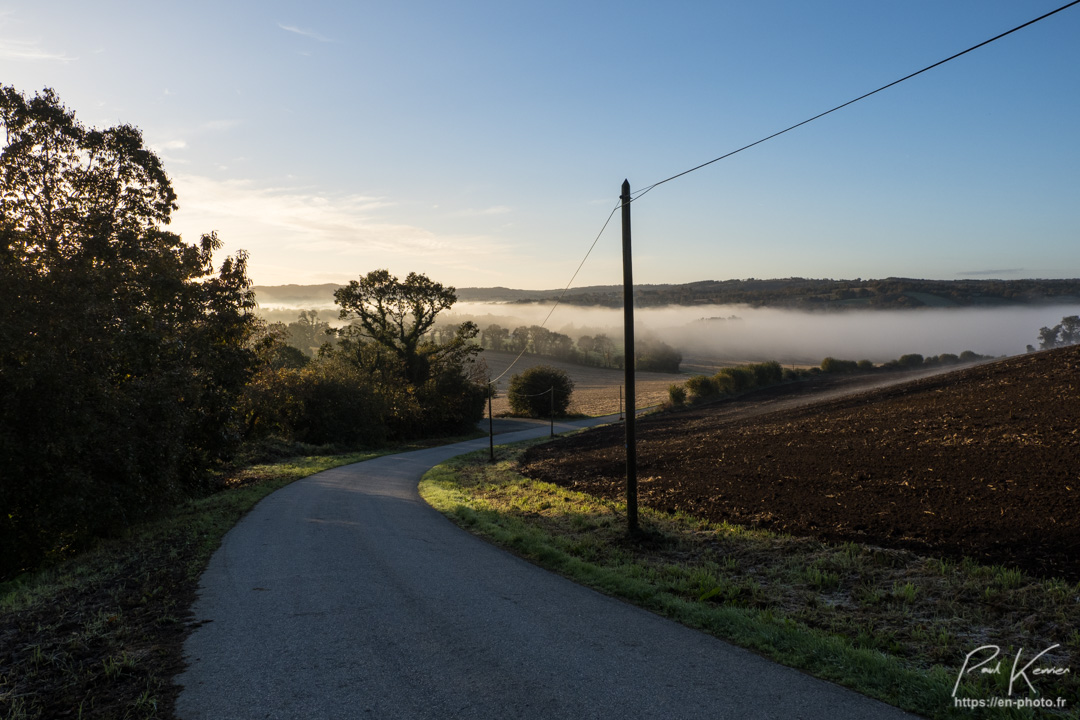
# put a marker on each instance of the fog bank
(745, 333)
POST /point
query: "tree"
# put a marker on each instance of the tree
(1048, 337)
(122, 351)
(519, 339)
(539, 340)
(391, 341)
(307, 333)
(397, 314)
(1067, 332)
(603, 345)
(494, 337)
(562, 346)
(657, 356)
(1070, 330)
(540, 389)
(64, 184)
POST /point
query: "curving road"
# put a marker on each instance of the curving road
(344, 595)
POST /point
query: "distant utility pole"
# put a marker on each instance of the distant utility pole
(628, 352)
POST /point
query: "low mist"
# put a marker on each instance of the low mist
(741, 333)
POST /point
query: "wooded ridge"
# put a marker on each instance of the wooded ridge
(790, 293)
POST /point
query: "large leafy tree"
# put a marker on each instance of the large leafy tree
(397, 315)
(63, 183)
(122, 349)
(392, 339)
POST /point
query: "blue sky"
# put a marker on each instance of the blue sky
(483, 143)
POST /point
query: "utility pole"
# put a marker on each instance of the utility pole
(628, 352)
(552, 391)
(491, 422)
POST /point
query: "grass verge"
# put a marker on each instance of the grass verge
(890, 624)
(101, 634)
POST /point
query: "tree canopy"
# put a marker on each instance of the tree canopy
(398, 314)
(540, 391)
(62, 183)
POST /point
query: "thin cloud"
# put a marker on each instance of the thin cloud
(219, 125)
(990, 273)
(281, 223)
(494, 210)
(305, 33)
(29, 51)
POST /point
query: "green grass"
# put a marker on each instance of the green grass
(890, 624)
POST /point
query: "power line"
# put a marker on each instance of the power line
(563, 293)
(638, 194)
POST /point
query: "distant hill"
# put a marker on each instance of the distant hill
(790, 293)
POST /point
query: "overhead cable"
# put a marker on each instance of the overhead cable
(641, 192)
(559, 299)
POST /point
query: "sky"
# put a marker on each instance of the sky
(483, 143)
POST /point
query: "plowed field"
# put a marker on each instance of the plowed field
(982, 462)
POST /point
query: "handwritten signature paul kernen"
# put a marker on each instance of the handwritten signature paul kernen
(1017, 672)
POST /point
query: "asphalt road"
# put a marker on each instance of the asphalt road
(344, 595)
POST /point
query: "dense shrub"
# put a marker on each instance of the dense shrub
(338, 399)
(767, 373)
(531, 392)
(451, 402)
(736, 379)
(701, 387)
(677, 394)
(832, 365)
(911, 361)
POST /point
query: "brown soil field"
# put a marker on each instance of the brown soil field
(981, 462)
(596, 390)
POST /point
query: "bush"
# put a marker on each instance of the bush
(767, 373)
(911, 361)
(865, 365)
(701, 387)
(329, 401)
(530, 392)
(832, 365)
(677, 394)
(740, 379)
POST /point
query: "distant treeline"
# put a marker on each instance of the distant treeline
(808, 294)
(308, 334)
(593, 350)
